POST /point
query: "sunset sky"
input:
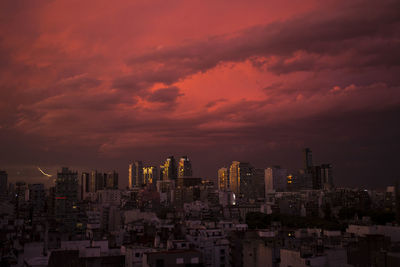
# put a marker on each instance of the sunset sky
(96, 84)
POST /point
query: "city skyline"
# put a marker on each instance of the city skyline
(94, 86)
(202, 133)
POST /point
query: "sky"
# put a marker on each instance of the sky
(97, 84)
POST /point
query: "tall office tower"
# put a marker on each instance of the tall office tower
(316, 177)
(111, 181)
(92, 182)
(170, 171)
(240, 179)
(397, 201)
(99, 180)
(135, 174)
(150, 175)
(85, 184)
(21, 198)
(275, 179)
(307, 159)
(257, 184)
(37, 199)
(66, 199)
(327, 176)
(161, 173)
(3, 182)
(223, 179)
(185, 167)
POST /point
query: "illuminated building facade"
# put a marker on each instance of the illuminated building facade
(135, 174)
(170, 170)
(223, 179)
(240, 179)
(66, 199)
(185, 167)
(150, 175)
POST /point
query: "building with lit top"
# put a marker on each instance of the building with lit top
(169, 169)
(240, 179)
(223, 179)
(135, 174)
(150, 175)
(185, 167)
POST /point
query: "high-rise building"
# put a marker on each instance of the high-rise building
(99, 180)
(150, 175)
(307, 159)
(85, 184)
(185, 167)
(240, 179)
(3, 182)
(257, 184)
(92, 181)
(37, 199)
(66, 199)
(327, 176)
(111, 180)
(161, 173)
(316, 177)
(275, 179)
(135, 174)
(223, 179)
(170, 170)
(21, 200)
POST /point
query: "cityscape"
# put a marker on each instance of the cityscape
(167, 216)
(203, 133)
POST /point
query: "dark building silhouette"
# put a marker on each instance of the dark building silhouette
(111, 180)
(66, 199)
(308, 163)
(3, 182)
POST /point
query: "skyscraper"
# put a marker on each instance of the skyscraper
(150, 175)
(240, 179)
(170, 170)
(21, 198)
(307, 159)
(316, 177)
(37, 199)
(85, 184)
(327, 176)
(223, 179)
(135, 174)
(3, 182)
(99, 180)
(111, 180)
(185, 167)
(66, 198)
(275, 179)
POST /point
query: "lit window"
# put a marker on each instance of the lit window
(179, 261)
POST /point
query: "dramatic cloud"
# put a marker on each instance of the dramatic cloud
(94, 85)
